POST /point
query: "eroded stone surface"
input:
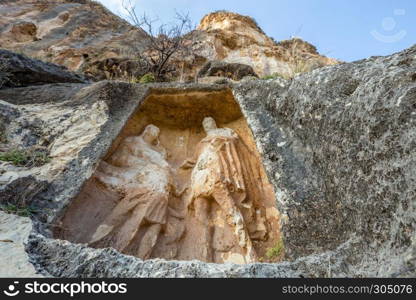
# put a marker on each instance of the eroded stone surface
(14, 261)
(194, 192)
(85, 36)
(338, 145)
(233, 71)
(19, 70)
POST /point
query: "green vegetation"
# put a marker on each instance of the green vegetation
(16, 157)
(267, 77)
(147, 78)
(25, 158)
(18, 210)
(275, 251)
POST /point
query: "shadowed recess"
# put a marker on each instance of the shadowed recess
(183, 180)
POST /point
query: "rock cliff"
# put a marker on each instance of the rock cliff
(78, 34)
(84, 36)
(338, 146)
(235, 38)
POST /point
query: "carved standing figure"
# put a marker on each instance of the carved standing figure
(138, 170)
(220, 175)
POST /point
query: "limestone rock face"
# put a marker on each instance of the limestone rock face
(18, 70)
(84, 36)
(75, 33)
(14, 261)
(337, 145)
(234, 38)
(24, 32)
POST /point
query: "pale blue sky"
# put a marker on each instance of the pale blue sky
(346, 30)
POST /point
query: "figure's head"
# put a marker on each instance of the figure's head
(151, 133)
(209, 124)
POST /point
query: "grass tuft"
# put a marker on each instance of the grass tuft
(25, 158)
(275, 251)
(18, 210)
(147, 78)
(276, 75)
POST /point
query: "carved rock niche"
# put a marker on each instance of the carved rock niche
(182, 181)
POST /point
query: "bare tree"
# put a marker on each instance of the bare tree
(164, 43)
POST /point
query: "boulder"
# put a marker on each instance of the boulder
(233, 71)
(18, 70)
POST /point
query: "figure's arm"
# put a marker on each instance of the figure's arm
(161, 149)
(188, 164)
(177, 213)
(110, 181)
(108, 169)
(177, 193)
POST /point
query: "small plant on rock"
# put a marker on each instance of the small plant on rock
(276, 75)
(147, 78)
(33, 157)
(22, 211)
(276, 251)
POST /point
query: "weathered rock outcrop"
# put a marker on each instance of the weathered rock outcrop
(234, 38)
(73, 33)
(338, 144)
(229, 70)
(18, 70)
(84, 36)
(14, 261)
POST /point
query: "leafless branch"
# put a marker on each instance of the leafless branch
(163, 42)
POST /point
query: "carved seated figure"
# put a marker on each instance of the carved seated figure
(139, 172)
(220, 175)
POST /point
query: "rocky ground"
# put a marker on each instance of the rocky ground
(338, 144)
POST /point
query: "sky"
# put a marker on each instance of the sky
(342, 29)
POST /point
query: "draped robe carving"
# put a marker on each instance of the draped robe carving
(222, 172)
(225, 210)
(140, 173)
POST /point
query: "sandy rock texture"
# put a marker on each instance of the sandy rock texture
(234, 38)
(338, 144)
(84, 36)
(14, 261)
(78, 34)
